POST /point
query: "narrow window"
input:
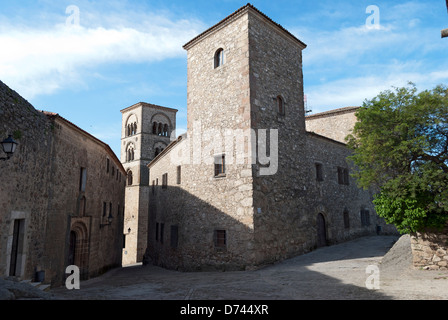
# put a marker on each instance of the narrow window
(107, 165)
(110, 209)
(154, 128)
(129, 178)
(157, 231)
(162, 227)
(160, 129)
(153, 187)
(174, 237)
(164, 180)
(220, 165)
(280, 105)
(135, 127)
(220, 239)
(346, 219)
(319, 174)
(82, 179)
(343, 177)
(219, 58)
(104, 209)
(179, 174)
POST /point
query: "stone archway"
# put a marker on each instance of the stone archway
(79, 248)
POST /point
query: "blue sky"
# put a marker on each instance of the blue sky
(123, 52)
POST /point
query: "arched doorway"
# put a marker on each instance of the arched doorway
(78, 253)
(321, 231)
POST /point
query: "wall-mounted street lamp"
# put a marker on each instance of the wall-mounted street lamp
(9, 147)
(109, 221)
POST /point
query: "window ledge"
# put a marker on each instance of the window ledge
(221, 175)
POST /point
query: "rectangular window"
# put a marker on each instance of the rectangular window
(153, 187)
(162, 227)
(220, 239)
(174, 238)
(319, 173)
(124, 241)
(165, 181)
(346, 220)
(179, 174)
(220, 165)
(82, 179)
(365, 218)
(107, 165)
(343, 177)
(110, 208)
(157, 231)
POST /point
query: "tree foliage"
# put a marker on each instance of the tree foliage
(400, 149)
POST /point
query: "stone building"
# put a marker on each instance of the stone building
(61, 197)
(145, 133)
(247, 184)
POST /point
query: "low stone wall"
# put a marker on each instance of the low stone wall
(430, 250)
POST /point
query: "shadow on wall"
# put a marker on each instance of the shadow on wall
(186, 233)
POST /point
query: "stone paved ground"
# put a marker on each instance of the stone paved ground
(335, 272)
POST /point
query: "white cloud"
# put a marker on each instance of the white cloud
(42, 60)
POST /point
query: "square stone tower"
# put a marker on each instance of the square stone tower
(146, 131)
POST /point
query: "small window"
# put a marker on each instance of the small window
(107, 165)
(104, 209)
(165, 181)
(219, 58)
(343, 176)
(162, 227)
(174, 237)
(130, 178)
(220, 239)
(365, 218)
(319, 173)
(346, 219)
(179, 174)
(280, 105)
(153, 187)
(157, 231)
(82, 179)
(220, 165)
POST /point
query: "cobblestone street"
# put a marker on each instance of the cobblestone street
(343, 271)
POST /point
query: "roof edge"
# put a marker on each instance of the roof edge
(235, 14)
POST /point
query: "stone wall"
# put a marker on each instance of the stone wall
(25, 181)
(430, 249)
(41, 186)
(266, 217)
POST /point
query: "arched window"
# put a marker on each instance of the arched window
(280, 105)
(154, 128)
(135, 127)
(130, 154)
(219, 57)
(160, 129)
(129, 178)
(165, 130)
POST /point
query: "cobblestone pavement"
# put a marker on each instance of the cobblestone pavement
(358, 269)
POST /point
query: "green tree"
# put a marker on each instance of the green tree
(400, 145)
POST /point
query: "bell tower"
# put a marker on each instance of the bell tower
(146, 131)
